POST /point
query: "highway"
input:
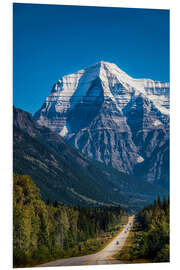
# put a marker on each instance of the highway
(104, 256)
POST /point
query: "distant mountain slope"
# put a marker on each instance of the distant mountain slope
(112, 118)
(64, 174)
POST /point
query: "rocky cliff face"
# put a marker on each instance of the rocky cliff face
(62, 173)
(113, 118)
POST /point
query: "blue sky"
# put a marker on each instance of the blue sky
(50, 41)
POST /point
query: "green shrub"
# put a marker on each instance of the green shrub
(41, 255)
(163, 254)
(20, 258)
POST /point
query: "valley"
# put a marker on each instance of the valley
(87, 168)
(63, 174)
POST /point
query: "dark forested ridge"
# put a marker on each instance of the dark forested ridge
(44, 232)
(62, 173)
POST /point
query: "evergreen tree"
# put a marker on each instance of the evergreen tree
(43, 232)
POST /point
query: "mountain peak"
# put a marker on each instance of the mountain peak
(104, 64)
(102, 81)
(101, 62)
(107, 114)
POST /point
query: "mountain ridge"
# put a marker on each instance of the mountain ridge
(63, 174)
(110, 117)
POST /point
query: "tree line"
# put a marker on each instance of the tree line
(44, 231)
(152, 240)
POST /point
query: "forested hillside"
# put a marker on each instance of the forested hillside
(149, 241)
(45, 232)
(154, 220)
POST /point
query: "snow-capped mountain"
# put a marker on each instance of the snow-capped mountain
(112, 118)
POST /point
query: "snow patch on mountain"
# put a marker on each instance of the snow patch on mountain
(66, 130)
(157, 123)
(140, 159)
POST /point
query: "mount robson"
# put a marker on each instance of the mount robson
(113, 118)
(100, 138)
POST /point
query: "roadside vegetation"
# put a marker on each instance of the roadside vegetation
(44, 232)
(149, 239)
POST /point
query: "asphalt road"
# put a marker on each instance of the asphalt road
(105, 256)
